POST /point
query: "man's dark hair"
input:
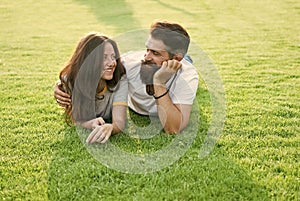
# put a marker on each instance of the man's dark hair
(174, 36)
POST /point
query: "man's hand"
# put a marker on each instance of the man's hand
(166, 71)
(63, 99)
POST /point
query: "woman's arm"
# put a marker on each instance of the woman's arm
(102, 132)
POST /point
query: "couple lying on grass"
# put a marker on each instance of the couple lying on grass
(97, 84)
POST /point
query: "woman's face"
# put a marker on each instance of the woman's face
(109, 62)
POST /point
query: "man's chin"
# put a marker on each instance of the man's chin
(146, 73)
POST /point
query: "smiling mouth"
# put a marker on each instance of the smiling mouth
(108, 69)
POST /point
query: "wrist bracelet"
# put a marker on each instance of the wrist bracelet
(157, 97)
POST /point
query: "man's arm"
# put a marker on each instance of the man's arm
(173, 117)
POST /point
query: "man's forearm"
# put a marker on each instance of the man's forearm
(170, 116)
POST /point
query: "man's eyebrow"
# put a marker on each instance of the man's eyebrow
(152, 50)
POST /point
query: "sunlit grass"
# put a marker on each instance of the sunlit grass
(255, 45)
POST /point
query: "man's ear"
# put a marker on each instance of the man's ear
(178, 56)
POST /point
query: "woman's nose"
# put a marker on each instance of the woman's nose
(111, 62)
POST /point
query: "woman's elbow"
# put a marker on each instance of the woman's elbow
(119, 126)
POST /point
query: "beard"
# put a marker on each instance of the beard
(148, 69)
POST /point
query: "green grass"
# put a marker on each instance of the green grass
(255, 45)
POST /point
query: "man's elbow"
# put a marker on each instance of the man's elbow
(172, 130)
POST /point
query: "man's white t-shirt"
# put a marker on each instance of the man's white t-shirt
(183, 87)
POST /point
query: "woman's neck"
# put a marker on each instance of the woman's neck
(102, 87)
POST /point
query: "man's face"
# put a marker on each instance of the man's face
(156, 51)
(156, 54)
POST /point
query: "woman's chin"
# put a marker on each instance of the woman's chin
(107, 77)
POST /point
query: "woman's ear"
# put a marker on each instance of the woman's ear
(178, 56)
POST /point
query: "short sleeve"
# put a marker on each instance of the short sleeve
(121, 93)
(183, 90)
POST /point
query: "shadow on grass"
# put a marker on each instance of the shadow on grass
(75, 175)
(114, 13)
(172, 7)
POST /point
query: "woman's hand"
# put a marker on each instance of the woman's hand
(92, 124)
(100, 134)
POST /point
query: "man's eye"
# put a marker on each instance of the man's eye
(155, 53)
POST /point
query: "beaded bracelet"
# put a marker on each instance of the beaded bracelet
(157, 97)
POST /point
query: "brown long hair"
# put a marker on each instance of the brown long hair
(81, 76)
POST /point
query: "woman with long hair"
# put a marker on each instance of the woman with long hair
(96, 80)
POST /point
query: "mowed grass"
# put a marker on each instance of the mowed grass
(255, 46)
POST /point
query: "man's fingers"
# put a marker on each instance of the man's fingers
(62, 101)
(61, 104)
(62, 94)
(174, 64)
(164, 64)
(178, 65)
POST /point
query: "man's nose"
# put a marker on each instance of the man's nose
(147, 56)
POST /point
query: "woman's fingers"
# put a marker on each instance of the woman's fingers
(101, 120)
(97, 135)
(94, 135)
(100, 134)
(105, 139)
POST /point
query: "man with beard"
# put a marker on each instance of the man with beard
(160, 81)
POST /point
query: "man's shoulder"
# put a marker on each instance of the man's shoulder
(188, 68)
(132, 62)
(132, 58)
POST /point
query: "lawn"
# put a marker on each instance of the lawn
(254, 46)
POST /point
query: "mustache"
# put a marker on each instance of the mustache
(148, 69)
(147, 62)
